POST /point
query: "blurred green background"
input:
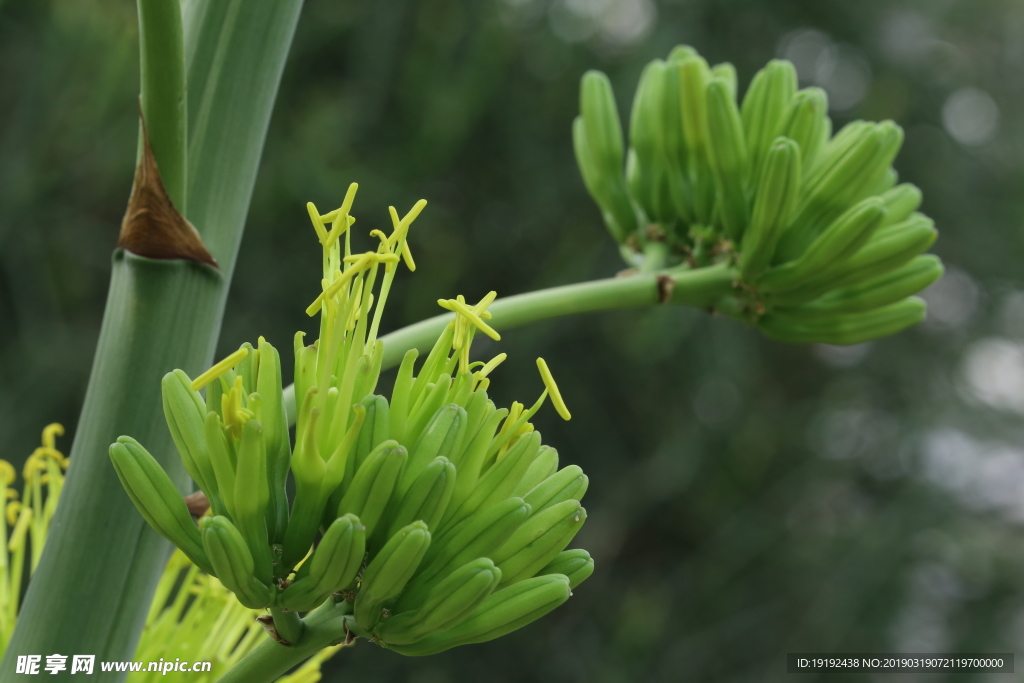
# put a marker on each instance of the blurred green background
(747, 498)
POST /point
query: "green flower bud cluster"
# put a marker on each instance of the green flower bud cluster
(825, 244)
(435, 518)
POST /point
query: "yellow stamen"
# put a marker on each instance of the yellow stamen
(481, 308)
(491, 364)
(50, 434)
(220, 368)
(7, 473)
(11, 511)
(470, 315)
(20, 528)
(372, 256)
(401, 232)
(556, 396)
(235, 415)
(346, 205)
(361, 264)
(318, 225)
(338, 231)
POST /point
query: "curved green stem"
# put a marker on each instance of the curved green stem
(270, 660)
(701, 287)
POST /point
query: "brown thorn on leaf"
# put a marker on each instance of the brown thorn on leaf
(197, 504)
(267, 622)
(151, 226)
(665, 286)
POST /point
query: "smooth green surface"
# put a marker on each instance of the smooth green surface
(93, 586)
(91, 591)
(163, 95)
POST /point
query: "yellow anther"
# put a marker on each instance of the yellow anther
(260, 341)
(384, 244)
(220, 368)
(401, 231)
(470, 315)
(346, 205)
(414, 213)
(362, 262)
(556, 396)
(483, 384)
(11, 512)
(50, 434)
(481, 308)
(373, 256)
(318, 224)
(7, 473)
(491, 364)
(235, 415)
(337, 231)
(33, 466)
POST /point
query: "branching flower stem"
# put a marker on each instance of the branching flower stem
(700, 288)
(269, 660)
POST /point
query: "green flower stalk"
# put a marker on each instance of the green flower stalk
(442, 520)
(825, 245)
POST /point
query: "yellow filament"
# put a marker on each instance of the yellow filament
(556, 396)
(20, 529)
(220, 368)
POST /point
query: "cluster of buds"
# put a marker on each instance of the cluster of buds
(435, 518)
(825, 245)
(28, 515)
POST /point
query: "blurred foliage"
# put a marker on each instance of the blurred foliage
(747, 498)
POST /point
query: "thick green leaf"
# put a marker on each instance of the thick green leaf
(93, 586)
